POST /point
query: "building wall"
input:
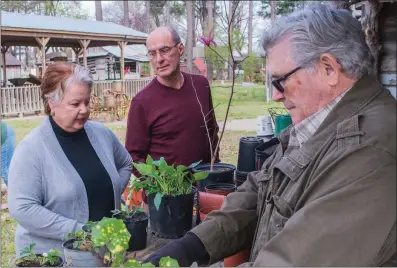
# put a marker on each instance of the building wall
(388, 40)
(12, 72)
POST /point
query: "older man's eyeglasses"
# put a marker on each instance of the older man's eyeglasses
(164, 51)
(277, 82)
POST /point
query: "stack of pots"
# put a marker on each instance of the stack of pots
(246, 158)
(263, 151)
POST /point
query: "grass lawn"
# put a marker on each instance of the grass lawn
(248, 102)
(228, 154)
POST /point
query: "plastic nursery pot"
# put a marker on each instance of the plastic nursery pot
(263, 151)
(240, 178)
(220, 188)
(79, 258)
(246, 153)
(207, 200)
(174, 216)
(222, 173)
(59, 263)
(137, 227)
(205, 211)
(237, 259)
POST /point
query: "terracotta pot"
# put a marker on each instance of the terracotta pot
(136, 198)
(208, 200)
(220, 188)
(205, 211)
(237, 259)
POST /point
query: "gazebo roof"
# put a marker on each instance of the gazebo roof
(21, 29)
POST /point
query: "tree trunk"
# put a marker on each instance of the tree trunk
(189, 45)
(230, 33)
(210, 27)
(126, 20)
(167, 14)
(269, 87)
(369, 22)
(27, 56)
(250, 16)
(98, 10)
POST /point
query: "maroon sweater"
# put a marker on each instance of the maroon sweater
(167, 122)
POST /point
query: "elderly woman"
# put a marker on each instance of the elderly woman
(68, 170)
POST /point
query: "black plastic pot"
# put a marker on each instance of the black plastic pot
(220, 188)
(240, 177)
(246, 153)
(263, 151)
(174, 217)
(265, 138)
(222, 173)
(137, 227)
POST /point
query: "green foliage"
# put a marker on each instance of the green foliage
(168, 262)
(251, 67)
(217, 56)
(283, 7)
(126, 213)
(178, 9)
(82, 238)
(112, 234)
(28, 257)
(51, 257)
(164, 262)
(157, 177)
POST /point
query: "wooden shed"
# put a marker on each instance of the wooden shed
(13, 66)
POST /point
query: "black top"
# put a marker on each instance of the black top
(78, 149)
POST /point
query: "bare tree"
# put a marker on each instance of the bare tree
(250, 16)
(189, 43)
(126, 17)
(98, 10)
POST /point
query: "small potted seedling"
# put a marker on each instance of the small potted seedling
(79, 250)
(170, 195)
(30, 259)
(136, 222)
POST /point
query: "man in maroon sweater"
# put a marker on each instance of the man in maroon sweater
(165, 118)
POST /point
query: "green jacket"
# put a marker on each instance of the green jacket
(330, 203)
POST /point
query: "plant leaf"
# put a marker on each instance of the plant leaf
(168, 262)
(143, 169)
(148, 264)
(157, 200)
(149, 160)
(181, 168)
(131, 263)
(200, 175)
(193, 165)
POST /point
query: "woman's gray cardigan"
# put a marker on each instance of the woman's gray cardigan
(46, 195)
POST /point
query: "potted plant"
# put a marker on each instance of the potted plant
(170, 195)
(79, 250)
(136, 222)
(30, 259)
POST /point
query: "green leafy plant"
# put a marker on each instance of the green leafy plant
(82, 238)
(157, 177)
(112, 234)
(51, 257)
(30, 259)
(164, 262)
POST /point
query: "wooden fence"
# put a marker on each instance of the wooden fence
(26, 99)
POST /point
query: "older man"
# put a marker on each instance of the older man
(327, 195)
(166, 118)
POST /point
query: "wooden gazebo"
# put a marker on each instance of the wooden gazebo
(47, 31)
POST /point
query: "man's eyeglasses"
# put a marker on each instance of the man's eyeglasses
(277, 82)
(164, 51)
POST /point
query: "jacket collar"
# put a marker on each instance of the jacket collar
(363, 92)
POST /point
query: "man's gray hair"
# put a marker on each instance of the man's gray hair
(80, 74)
(321, 28)
(175, 36)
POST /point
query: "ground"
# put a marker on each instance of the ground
(248, 102)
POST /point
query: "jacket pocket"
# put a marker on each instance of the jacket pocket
(263, 185)
(280, 215)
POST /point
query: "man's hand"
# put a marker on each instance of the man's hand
(185, 250)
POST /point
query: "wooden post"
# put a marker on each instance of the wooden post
(3, 52)
(77, 51)
(370, 19)
(42, 43)
(122, 44)
(84, 44)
